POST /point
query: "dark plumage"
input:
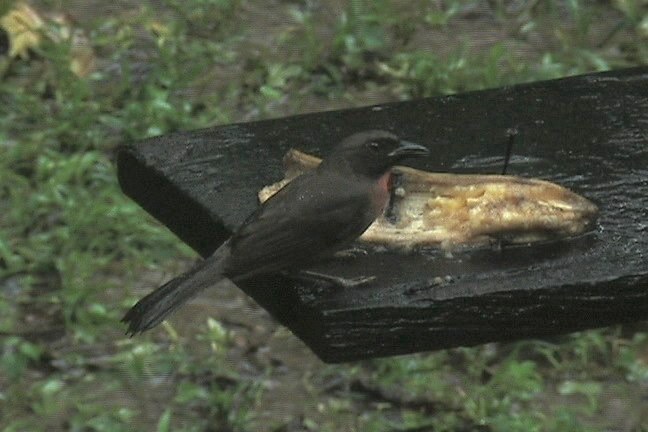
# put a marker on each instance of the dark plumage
(316, 214)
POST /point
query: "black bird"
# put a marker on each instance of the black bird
(316, 214)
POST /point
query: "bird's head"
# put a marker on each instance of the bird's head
(372, 153)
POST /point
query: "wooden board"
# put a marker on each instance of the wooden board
(588, 133)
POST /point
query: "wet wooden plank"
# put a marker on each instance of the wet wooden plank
(588, 133)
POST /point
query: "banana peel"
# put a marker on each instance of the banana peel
(455, 210)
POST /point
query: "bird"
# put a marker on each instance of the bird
(316, 214)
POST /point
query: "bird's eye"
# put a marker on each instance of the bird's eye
(374, 146)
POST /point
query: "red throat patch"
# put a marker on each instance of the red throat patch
(382, 192)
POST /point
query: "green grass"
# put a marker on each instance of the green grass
(73, 249)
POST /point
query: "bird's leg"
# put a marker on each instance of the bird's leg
(351, 252)
(497, 245)
(339, 281)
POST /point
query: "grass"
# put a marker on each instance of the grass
(74, 250)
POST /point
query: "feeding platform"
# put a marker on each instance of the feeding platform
(588, 133)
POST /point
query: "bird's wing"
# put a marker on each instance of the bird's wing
(307, 218)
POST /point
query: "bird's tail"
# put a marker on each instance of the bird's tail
(155, 307)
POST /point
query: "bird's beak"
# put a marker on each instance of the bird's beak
(409, 149)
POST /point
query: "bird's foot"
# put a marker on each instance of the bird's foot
(336, 280)
(352, 252)
(497, 245)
